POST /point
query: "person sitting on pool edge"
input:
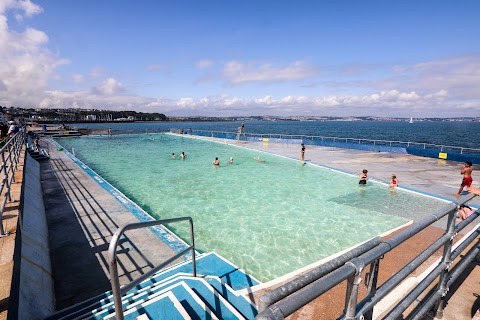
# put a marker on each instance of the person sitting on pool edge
(394, 181)
(216, 162)
(363, 177)
(464, 212)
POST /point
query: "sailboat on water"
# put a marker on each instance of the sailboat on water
(411, 120)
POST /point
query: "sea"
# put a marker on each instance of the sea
(447, 133)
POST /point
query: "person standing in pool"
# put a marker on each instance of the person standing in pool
(363, 177)
(303, 152)
(216, 162)
(467, 177)
(173, 155)
(394, 181)
(183, 155)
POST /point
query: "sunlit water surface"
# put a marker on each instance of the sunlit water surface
(268, 218)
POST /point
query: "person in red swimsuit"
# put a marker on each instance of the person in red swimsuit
(467, 177)
(394, 181)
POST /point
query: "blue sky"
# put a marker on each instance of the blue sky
(240, 58)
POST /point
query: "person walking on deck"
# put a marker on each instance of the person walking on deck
(467, 177)
(303, 152)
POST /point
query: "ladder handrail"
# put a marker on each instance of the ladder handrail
(118, 291)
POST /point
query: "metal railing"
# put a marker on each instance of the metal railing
(118, 291)
(376, 142)
(283, 301)
(10, 155)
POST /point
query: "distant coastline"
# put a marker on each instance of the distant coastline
(267, 118)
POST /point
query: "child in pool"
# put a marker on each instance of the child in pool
(394, 181)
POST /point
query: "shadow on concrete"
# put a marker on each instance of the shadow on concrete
(80, 230)
(451, 291)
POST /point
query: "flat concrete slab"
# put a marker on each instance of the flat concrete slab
(82, 217)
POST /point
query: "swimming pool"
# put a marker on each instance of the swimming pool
(268, 218)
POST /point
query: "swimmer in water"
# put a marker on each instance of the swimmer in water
(216, 162)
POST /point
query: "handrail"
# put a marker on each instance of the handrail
(299, 282)
(352, 271)
(118, 291)
(10, 156)
(421, 145)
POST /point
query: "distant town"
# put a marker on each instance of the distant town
(47, 116)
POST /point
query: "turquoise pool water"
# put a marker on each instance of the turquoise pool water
(268, 218)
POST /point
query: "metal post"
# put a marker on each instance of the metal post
(372, 284)
(353, 283)
(73, 151)
(5, 172)
(447, 259)
(192, 239)
(117, 296)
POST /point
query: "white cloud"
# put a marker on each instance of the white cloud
(96, 72)
(236, 73)
(447, 86)
(458, 75)
(203, 64)
(26, 63)
(109, 87)
(25, 7)
(78, 78)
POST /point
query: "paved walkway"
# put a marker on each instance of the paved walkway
(82, 218)
(7, 244)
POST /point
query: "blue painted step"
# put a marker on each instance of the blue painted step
(165, 306)
(207, 264)
(211, 297)
(243, 305)
(210, 264)
(192, 304)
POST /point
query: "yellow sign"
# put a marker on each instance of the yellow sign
(442, 155)
(265, 139)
